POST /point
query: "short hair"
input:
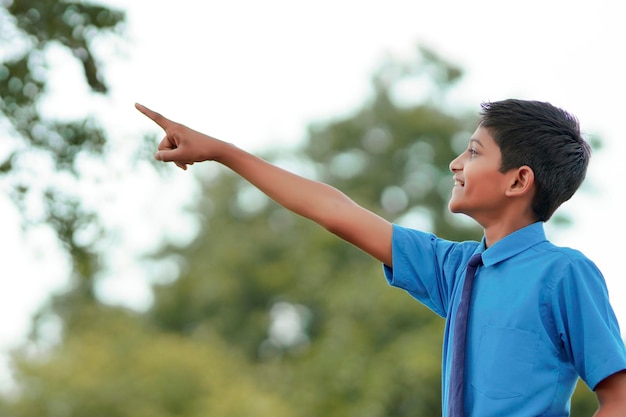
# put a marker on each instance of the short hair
(545, 138)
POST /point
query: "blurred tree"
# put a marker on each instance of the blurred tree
(115, 365)
(39, 164)
(104, 361)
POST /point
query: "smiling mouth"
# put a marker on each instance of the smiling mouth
(458, 183)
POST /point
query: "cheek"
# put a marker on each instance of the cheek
(490, 184)
(483, 182)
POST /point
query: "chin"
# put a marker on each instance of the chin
(457, 209)
(454, 208)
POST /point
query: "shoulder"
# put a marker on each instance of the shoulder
(569, 261)
(417, 244)
(573, 284)
(566, 275)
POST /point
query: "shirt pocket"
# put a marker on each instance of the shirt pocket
(506, 357)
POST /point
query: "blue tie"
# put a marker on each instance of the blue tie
(457, 372)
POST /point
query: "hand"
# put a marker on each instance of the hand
(181, 145)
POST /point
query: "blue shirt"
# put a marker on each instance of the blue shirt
(540, 317)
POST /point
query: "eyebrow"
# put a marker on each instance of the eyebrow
(476, 141)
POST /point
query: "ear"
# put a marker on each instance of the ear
(522, 181)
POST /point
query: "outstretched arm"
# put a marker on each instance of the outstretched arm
(319, 202)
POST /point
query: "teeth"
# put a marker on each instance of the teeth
(458, 183)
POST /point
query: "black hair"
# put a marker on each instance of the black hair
(545, 138)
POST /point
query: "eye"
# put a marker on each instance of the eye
(472, 151)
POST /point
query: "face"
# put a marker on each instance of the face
(479, 186)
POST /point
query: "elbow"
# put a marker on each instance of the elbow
(336, 216)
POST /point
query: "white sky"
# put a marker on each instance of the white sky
(256, 73)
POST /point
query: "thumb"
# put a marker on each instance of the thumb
(168, 155)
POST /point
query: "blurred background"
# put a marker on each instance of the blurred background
(131, 288)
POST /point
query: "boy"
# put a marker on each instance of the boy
(539, 315)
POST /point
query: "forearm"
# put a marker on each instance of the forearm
(308, 198)
(319, 202)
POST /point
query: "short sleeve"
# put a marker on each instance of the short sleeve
(587, 324)
(426, 266)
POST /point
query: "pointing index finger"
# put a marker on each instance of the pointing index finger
(154, 116)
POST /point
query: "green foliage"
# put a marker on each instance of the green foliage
(40, 168)
(73, 24)
(35, 25)
(117, 366)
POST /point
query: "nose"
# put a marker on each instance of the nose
(456, 164)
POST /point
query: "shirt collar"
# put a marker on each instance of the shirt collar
(511, 245)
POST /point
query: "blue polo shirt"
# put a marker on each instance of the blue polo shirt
(540, 317)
